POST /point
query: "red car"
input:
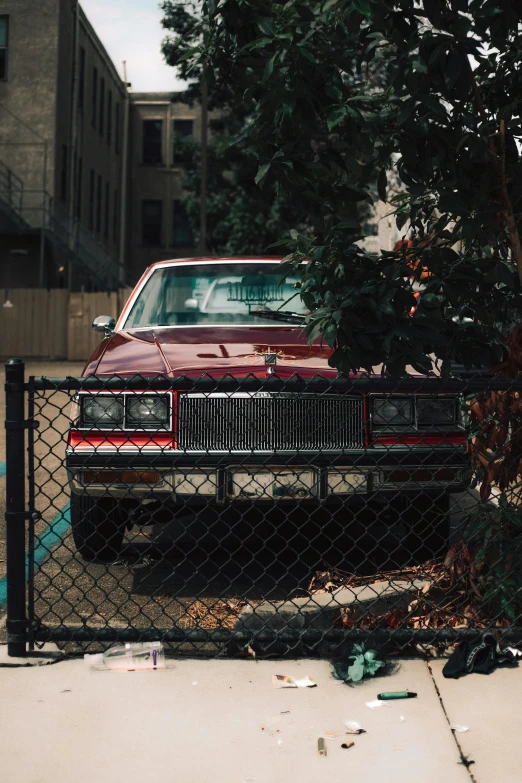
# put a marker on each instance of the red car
(362, 458)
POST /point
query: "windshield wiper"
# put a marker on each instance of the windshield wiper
(280, 315)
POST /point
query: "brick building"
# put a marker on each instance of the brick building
(90, 173)
(160, 127)
(62, 116)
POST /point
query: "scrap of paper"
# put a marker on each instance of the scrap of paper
(286, 681)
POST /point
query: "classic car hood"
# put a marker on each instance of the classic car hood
(175, 350)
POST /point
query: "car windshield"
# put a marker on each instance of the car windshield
(209, 294)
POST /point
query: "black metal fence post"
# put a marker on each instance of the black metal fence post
(15, 507)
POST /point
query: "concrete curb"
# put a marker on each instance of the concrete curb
(322, 610)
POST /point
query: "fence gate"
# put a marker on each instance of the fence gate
(262, 515)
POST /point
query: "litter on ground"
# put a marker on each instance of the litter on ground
(353, 727)
(286, 681)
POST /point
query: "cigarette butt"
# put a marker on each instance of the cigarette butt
(321, 746)
(348, 744)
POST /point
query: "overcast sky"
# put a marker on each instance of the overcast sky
(131, 30)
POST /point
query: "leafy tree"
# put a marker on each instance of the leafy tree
(430, 88)
(242, 219)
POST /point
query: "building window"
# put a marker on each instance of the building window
(98, 204)
(4, 41)
(109, 117)
(91, 199)
(151, 222)
(94, 96)
(81, 79)
(182, 136)
(102, 107)
(184, 128)
(182, 235)
(79, 176)
(152, 133)
(117, 129)
(63, 174)
(107, 210)
(115, 217)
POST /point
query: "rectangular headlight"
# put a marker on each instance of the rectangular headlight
(148, 412)
(102, 411)
(436, 411)
(391, 412)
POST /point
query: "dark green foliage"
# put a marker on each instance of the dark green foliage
(408, 85)
(495, 536)
(242, 218)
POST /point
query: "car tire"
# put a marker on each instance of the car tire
(96, 528)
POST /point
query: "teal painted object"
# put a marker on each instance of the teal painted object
(2, 469)
(53, 535)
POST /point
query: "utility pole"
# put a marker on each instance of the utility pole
(203, 194)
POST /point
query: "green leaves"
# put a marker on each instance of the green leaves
(360, 663)
(267, 25)
(336, 116)
(262, 172)
(269, 67)
(369, 97)
(307, 54)
(363, 6)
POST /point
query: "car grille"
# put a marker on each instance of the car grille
(269, 422)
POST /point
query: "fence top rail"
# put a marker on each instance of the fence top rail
(294, 383)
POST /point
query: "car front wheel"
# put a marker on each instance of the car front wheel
(96, 527)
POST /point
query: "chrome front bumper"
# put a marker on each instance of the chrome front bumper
(237, 483)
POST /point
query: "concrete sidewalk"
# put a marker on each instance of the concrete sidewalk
(201, 720)
(491, 707)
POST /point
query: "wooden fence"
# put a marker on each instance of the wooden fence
(40, 324)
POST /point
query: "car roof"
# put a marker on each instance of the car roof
(213, 259)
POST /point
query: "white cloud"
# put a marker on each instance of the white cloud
(131, 30)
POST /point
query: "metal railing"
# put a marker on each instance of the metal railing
(37, 210)
(11, 189)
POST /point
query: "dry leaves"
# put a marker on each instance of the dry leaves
(496, 419)
(451, 597)
(212, 613)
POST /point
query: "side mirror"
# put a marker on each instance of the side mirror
(191, 304)
(105, 324)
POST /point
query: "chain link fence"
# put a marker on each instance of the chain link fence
(262, 515)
